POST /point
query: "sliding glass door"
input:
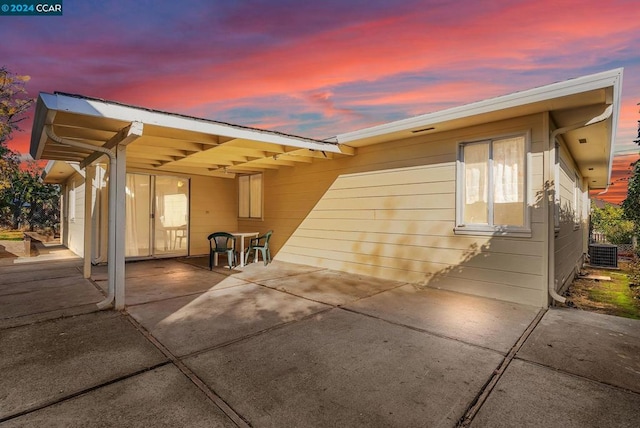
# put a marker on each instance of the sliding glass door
(138, 227)
(157, 212)
(171, 214)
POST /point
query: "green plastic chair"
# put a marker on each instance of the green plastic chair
(260, 243)
(221, 243)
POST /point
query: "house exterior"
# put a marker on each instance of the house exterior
(489, 198)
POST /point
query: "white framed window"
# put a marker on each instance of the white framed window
(556, 189)
(250, 196)
(569, 192)
(491, 196)
(577, 202)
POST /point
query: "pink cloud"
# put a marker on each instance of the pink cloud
(364, 51)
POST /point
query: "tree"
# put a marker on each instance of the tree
(14, 103)
(610, 220)
(631, 205)
(9, 162)
(25, 201)
(29, 203)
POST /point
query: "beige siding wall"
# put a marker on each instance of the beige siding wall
(74, 224)
(100, 226)
(213, 207)
(389, 212)
(570, 236)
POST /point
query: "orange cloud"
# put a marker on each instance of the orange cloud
(628, 123)
(21, 141)
(620, 174)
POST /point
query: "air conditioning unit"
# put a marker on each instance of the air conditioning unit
(603, 255)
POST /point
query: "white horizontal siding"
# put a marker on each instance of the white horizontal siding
(75, 226)
(569, 239)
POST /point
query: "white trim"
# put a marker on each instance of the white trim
(617, 97)
(556, 187)
(577, 209)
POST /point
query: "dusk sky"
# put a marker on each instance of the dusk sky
(321, 68)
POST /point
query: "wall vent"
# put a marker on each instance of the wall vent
(603, 255)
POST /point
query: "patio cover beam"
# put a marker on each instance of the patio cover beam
(124, 137)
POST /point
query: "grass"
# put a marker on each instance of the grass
(615, 297)
(11, 235)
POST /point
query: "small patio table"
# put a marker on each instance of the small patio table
(242, 236)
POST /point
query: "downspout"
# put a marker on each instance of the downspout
(111, 253)
(604, 191)
(551, 280)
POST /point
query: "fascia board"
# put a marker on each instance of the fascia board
(616, 102)
(46, 107)
(97, 108)
(517, 99)
(47, 168)
(54, 163)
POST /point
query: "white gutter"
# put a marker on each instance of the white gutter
(551, 280)
(606, 114)
(111, 256)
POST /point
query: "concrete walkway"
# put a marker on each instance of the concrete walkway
(291, 345)
(15, 252)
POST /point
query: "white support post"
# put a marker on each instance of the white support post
(89, 175)
(117, 208)
(120, 222)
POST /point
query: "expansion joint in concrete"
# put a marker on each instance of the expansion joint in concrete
(79, 393)
(177, 362)
(484, 393)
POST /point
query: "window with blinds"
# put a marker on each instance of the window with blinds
(250, 196)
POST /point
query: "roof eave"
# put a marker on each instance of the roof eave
(101, 108)
(517, 99)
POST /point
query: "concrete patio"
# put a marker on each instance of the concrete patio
(292, 345)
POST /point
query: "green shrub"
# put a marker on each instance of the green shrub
(610, 220)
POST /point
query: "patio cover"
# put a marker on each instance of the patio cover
(75, 128)
(166, 142)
